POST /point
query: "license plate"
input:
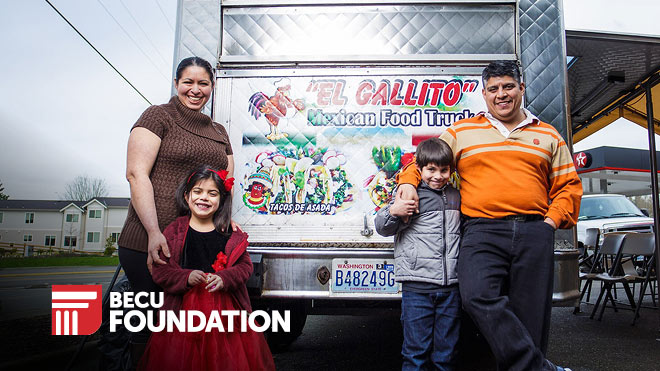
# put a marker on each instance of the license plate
(363, 276)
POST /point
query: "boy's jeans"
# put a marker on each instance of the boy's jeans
(431, 324)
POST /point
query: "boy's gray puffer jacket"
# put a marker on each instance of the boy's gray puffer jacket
(426, 248)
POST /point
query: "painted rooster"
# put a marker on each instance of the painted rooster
(274, 108)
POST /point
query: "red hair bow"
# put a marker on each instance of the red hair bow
(228, 182)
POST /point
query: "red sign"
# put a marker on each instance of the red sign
(582, 159)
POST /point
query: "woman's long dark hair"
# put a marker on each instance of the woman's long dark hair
(222, 216)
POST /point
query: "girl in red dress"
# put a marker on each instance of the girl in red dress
(206, 271)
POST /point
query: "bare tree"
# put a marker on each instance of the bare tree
(84, 188)
(3, 196)
(643, 202)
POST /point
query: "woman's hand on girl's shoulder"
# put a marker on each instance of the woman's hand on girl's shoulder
(196, 277)
(235, 226)
(215, 283)
(157, 243)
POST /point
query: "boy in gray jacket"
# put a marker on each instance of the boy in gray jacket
(425, 256)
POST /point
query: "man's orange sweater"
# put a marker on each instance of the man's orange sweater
(530, 172)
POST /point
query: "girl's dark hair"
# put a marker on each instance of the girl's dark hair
(194, 61)
(222, 216)
(434, 151)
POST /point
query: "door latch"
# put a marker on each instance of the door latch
(366, 231)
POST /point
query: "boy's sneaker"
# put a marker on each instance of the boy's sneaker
(551, 365)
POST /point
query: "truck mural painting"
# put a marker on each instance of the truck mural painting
(304, 180)
(325, 137)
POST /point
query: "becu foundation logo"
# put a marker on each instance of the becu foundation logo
(76, 309)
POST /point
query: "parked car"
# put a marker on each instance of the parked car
(611, 213)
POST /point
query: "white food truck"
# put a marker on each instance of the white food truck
(325, 101)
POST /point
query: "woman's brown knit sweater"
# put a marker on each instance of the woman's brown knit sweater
(188, 139)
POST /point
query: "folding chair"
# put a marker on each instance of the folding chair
(590, 242)
(591, 261)
(609, 255)
(640, 245)
(600, 262)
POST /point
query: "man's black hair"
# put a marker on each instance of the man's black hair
(434, 151)
(499, 69)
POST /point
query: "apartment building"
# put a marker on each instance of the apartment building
(76, 225)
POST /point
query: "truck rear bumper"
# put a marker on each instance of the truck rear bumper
(297, 273)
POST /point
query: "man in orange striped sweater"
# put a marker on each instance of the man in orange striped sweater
(517, 184)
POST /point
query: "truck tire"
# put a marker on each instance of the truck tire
(279, 341)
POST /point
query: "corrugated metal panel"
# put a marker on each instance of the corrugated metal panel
(544, 60)
(297, 32)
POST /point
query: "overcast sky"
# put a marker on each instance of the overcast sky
(65, 112)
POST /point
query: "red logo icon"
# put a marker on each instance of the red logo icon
(76, 309)
(582, 159)
(536, 141)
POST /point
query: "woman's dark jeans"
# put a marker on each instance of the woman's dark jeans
(134, 264)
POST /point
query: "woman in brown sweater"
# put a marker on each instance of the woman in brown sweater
(165, 143)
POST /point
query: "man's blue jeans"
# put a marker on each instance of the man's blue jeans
(431, 324)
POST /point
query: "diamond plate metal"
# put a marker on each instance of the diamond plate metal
(197, 34)
(389, 31)
(544, 61)
(198, 30)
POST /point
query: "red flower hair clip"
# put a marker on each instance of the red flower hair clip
(228, 182)
(220, 262)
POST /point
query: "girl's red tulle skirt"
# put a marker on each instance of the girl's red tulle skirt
(202, 351)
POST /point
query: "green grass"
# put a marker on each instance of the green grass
(53, 261)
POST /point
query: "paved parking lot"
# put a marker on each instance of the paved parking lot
(374, 341)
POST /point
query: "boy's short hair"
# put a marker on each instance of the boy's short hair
(434, 151)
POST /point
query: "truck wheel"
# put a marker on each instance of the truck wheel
(279, 341)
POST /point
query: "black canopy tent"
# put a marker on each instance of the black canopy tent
(612, 76)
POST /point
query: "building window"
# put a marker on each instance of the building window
(95, 214)
(93, 236)
(72, 218)
(50, 241)
(29, 218)
(1, 217)
(70, 241)
(114, 237)
(27, 238)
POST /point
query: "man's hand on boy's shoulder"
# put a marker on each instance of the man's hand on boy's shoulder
(403, 208)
